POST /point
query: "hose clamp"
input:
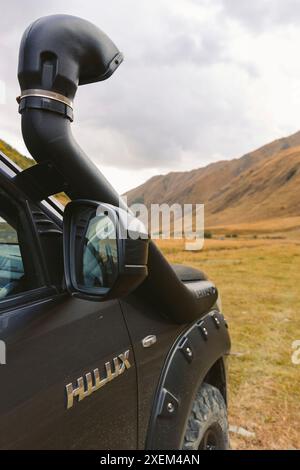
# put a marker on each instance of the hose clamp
(51, 95)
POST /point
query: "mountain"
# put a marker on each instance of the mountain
(260, 186)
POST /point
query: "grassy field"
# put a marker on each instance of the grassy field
(259, 281)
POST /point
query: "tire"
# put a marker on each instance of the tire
(207, 427)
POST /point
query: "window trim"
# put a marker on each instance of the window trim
(23, 298)
(22, 206)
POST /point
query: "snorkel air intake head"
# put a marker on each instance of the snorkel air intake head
(57, 54)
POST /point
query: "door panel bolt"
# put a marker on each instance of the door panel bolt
(170, 407)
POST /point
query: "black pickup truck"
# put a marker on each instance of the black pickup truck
(108, 346)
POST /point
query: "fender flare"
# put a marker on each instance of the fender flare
(192, 356)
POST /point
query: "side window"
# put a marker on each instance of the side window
(11, 264)
(18, 271)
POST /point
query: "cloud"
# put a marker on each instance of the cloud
(262, 14)
(201, 81)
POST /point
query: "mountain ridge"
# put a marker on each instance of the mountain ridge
(259, 185)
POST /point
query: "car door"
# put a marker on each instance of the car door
(51, 341)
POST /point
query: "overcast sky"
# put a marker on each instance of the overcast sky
(202, 80)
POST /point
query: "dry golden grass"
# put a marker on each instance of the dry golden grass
(259, 281)
(279, 225)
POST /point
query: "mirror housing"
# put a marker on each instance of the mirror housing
(105, 251)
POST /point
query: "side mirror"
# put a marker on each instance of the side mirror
(105, 251)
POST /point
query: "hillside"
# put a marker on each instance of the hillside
(22, 161)
(260, 186)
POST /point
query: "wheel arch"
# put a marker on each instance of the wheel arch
(197, 355)
(217, 376)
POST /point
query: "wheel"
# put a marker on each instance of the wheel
(207, 427)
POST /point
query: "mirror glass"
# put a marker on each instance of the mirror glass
(97, 251)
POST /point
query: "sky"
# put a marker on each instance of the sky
(202, 80)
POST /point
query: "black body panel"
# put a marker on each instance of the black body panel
(51, 343)
(143, 320)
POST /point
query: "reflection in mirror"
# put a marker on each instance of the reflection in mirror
(98, 263)
(101, 259)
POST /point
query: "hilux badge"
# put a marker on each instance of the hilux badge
(92, 381)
